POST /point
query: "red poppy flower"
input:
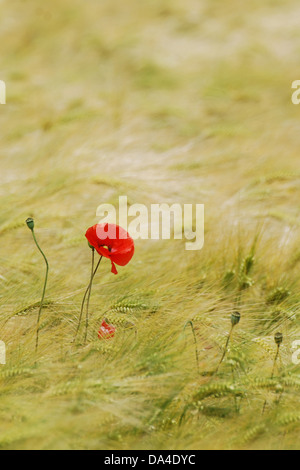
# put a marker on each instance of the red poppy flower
(106, 331)
(112, 242)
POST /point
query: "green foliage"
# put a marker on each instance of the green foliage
(254, 433)
(278, 295)
(217, 391)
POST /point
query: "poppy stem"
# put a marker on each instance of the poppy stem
(44, 291)
(89, 298)
(225, 349)
(195, 342)
(88, 290)
(275, 360)
(273, 373)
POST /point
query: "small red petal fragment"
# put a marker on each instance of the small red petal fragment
(106, 331)
(113, 268)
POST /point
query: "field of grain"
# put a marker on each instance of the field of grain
(165, 101)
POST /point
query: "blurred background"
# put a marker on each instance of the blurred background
(184, 100)
(163, 101)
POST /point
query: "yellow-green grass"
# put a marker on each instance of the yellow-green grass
(163, 101)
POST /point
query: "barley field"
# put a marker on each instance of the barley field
(165, 101)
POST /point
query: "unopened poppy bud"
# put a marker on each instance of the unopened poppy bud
(30, 223)
(278, 339)
(235, 318)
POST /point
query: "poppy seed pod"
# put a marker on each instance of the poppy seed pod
(278, 338)
(235, 318)
(30, 223)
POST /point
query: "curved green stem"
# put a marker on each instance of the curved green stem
(44, 291)
(87, 292)
(89, 298)
(195, 342)
(273, 373)
(275, 361)
(225, 350)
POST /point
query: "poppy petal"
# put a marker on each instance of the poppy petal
(112, 242)
(113, 268)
